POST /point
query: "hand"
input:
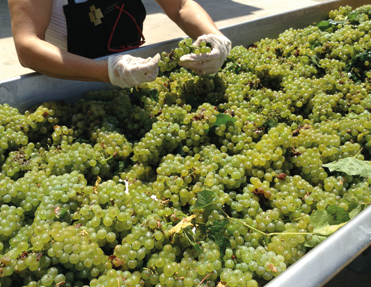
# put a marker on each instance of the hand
(126, 71)
(209, 63)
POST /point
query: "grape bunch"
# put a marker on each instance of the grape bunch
(170, 60)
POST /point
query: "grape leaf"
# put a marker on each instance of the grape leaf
(320, 219)
(356, 68)
(154, 95)
(184, 223)
(221, 119)
(121, 165)
(233, 67)
(339, 214)
(204, 198)
(180, 150)
(60, 212)
(190, 236)
(324, 25)
(352, 17)
(215, 232)
(355, 211)
(350, 166)
(315, 61)
(316, 239)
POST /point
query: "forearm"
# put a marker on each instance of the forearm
(47, 59)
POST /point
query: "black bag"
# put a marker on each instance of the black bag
(97, 28)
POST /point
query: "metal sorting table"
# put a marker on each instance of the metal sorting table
(319, 265)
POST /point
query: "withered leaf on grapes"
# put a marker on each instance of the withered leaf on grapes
(272, 268)
(350, 166)
(184, 223)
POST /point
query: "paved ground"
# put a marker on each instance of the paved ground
(159, 28)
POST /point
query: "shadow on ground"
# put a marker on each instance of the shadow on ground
(227, 8)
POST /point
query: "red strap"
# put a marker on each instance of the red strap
(129, 46)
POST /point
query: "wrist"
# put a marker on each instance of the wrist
(103, 71)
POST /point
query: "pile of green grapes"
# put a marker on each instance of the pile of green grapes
(90, 192)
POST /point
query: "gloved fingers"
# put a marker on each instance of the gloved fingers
(204, 38)
(213, 55)
(201, 68)
(150, 65)
(152, 76)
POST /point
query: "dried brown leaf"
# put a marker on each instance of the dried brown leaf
(272, 268)
(181, 225)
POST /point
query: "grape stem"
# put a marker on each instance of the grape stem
(261, 232)
(204, 278)
(289, 233)
(239, 220)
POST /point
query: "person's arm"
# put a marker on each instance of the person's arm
(190, 17)
(197, 24)
(30, 19)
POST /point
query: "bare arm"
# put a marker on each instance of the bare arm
(190, 17)
(30, 19)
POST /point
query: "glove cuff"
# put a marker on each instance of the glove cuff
(113, 74)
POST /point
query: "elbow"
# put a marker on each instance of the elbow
(176, 11)
(26, 56)
(23, 56)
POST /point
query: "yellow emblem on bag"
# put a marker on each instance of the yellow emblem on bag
(95, 15)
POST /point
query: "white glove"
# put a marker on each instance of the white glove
(209, 63)
(126, 71)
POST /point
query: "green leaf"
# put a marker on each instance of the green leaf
(82, 139)
(356, 69)
(334, 22)
(350, 166)
(316, 239)
(222, 119)
(60, 212)
(355, 211)
(215, 232)
(233, 67)
(125, 164)
(154, 95)
(320, 219)
(324, 25)
(190, 236)
(121, 166)
(315, 60)
(204, 198)
(180, 150)
(339, 214)
(270, 123)
(352, 16)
